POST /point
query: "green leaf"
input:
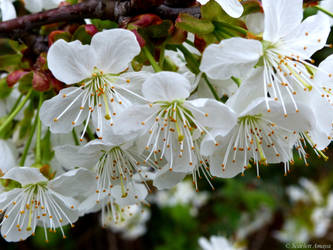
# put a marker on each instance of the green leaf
(158, 30)
(4, 89)
(251, 6)
(10, 62)
(25, 83)
(104, 24)
(46, 146)
(194, 25)
(82, 35)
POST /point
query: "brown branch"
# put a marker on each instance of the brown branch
(113, 10)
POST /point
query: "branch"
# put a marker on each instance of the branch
(113, 10)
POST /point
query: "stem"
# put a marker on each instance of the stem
(237, 81)
(113, 10)
(210, 86)
(38, 157)
(324, 11)
(28, 143)
(223, 25)
(162, 56)
(16, 103)
(15, 112)
(151, 59)
(90, 134)
(190, 43)
(190, 57)
(76, 139)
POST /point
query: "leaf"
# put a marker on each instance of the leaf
(194, 25)
(104, 24)
(25, 82)
(10, 62)
(4, 89)
(251, 6)
(82, 35)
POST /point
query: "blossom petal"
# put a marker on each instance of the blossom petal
(255, 22)
(212, 114)
(308, 37)
(34, 5)
(7, 10)
(232, 57)
(52, 108)
(70, 158)
(114, 49)
(25, 175)
(8, 155)
(134, 120)
(166, 179)
(135, 193)
(233, 7)
(231, 168)
(250, 89)
(71, 62)
(166, 86)
(324, 75)
(74, 182)
(281, 18)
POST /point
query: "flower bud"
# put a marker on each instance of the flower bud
(15, 76)
(91, 29)
(40, 81)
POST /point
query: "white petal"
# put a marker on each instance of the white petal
(232, 57)
(71, 62)
(136, 193)
(53, 107)
(324, 75)
(166, 86)
(69, 157)
(327, 5)
(8, 155)
(205, 244)
(34, 5)
(68, 205)
(114, 49)
(213, 114)
(74, 182)
(50, 4)
(281, 18)
(133, 120)
(166, 179)
(255, 22)
(7, 10)
(320, 138)
(25, 175)
(309, 35)
(233, 7)
(232, 168)
(249, 90)
(295, 121)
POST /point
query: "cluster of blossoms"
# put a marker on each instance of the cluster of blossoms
(116, 131)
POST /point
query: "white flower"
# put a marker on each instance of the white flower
(217, 243)
(39, 5)
(113, 164)
(97, 68)
(38, 202)
(132, 224)
(233, 7)
(182, 194)
(327, 5)
(170, 124)
(266, 137)
(8, 156)
(284, 53)
(7, 10)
